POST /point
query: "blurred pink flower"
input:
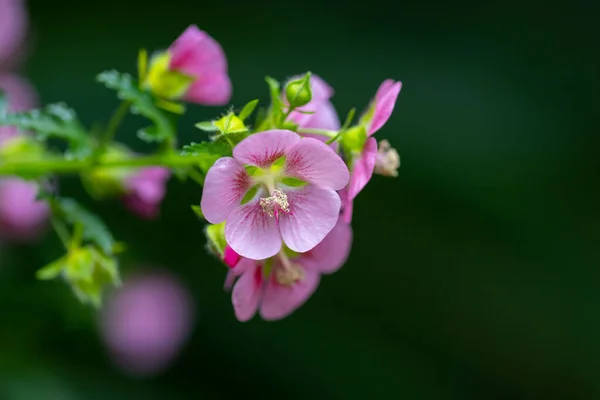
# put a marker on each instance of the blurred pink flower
(20, 95)
(146, 322)
(197, 54)
(13, 27)
(288, 282)
(300, 215)
(22, 217)
(145, 190)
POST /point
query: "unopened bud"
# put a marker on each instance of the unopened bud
(298, 92)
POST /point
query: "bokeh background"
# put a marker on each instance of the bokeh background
(474, 274)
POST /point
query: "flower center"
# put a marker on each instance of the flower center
(287, 273)
(275, 203)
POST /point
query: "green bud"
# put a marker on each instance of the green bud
(103, 182)
(353, 140)
(298, 92)
(215, 235)
(230, 123)
(21, 147)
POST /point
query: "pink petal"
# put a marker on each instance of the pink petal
(247, 294)
(251, 232)
(362, 169)
(347, 206)
(195, 51)
(329, 255)
(262, 149)
(13, 27)
(230, 257)
(233, 273)
(21, 96)
(325, 117)
(313, 161)
(225, 185)
(212, 89)
(279, 301)
(313, 214)
(21, 215)
(385, 100)
(146, 190)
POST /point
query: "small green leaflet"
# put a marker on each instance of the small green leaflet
(248, 109)
(206, 152)
(142, 103)
(94, 230)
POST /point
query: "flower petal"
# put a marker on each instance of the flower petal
(385, 100)
(21, 215)
(329, 255)
(363, 167)
(212, 89)
(247, 293)
(251, 232)
(313, 161)
(13, 27)
(313, 214)
(224, 188)
(233, 273)
(279, 301)
(347, 206)
(195, 51)
(20, 95)
(262, 149)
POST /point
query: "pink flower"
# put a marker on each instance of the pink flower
(198, 55)
(145, 190)
(146, 322)
(277, 186)
(22, 217)
(363, 164)
(13, 26)
(278, 290)
(230, 257)
(20, 95)
(325, 116)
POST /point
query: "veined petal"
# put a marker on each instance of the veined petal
(251, 232)
(224, 188)
(363, 167)
(233, 273)
(329, 255)
(347, 206)
(385, 100)
(278, 301)
(262, 149)
(313, 214)
(247, 293)
(313, 161)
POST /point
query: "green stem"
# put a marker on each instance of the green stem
(62, 232)
(113, 124)
(321, 132)
(65, 167)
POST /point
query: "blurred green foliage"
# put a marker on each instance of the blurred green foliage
(474, 274)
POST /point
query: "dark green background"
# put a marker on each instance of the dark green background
(474, 274)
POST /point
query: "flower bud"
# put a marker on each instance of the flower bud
(217, 245)
(299, 92)
(230, 123)
(353, 140)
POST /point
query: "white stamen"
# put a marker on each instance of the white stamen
(388, 160)
(287, 273)
(278, 201)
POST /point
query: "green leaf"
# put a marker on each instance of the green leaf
(94, 230)
(207, 126)
(53, 121)
(198, 211)
(206, 152)
(52, 270)
(293, 182)
(250, 194)
(248, 109)
(142, 103)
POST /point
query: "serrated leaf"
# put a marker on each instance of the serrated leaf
(248, 109)
(142, 103)
(94, 230)
(207, 126)
(206, 153)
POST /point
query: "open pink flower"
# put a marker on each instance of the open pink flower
(325, 116)
(13, 26)
(20, 95)
(145, 190)
(277, 186)
(197, 54)
(363, 164)
(279, 289)
(22, 217)
(146, 322)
